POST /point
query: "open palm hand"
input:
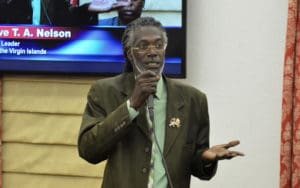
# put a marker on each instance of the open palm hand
(106, 5)
(220, 152)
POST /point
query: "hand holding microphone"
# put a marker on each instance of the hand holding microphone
(145, 85)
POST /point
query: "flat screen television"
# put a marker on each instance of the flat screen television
(86, 49)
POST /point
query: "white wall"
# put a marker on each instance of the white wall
(235, 55)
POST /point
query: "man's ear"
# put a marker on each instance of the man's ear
(129, 55)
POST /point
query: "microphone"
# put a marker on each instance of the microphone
(150, 101)
(150, 106)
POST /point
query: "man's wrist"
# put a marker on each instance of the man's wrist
(131, 104)
(132, 111)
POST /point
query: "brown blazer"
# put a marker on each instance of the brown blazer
(107, 133)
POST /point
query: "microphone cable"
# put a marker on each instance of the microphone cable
(151, 115)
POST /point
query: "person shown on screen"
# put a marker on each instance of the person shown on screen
(45, 12)
(153, 131)
(128, 10)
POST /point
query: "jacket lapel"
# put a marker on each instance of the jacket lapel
(175, 106)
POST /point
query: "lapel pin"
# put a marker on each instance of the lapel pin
(175, 122)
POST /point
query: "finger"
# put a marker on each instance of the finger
(222, 153)
(147, 83)
(147, 79)
(148, 88)
(233, 154)
(236, 153)
(150, 72)
(231, 144)
(120, 4)
(101, 4)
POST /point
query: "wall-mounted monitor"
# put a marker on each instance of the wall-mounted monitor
(69, 39)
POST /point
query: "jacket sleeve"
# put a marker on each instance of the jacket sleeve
(101, 128)
(200, 168)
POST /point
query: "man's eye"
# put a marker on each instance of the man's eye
(158, 46)
(143, 46)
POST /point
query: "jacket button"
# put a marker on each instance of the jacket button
(144, 170)
(116, 129)
(123, 124)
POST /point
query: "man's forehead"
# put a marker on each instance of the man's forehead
(148, 39)
(147, 34)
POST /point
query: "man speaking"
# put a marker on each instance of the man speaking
(153, 131)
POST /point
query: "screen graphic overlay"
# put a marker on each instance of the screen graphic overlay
(90, 49)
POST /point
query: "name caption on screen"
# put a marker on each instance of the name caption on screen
(35, 33)
(22, 51)
(10, 43)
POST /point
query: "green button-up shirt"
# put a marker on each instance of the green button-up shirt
(160, 105)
